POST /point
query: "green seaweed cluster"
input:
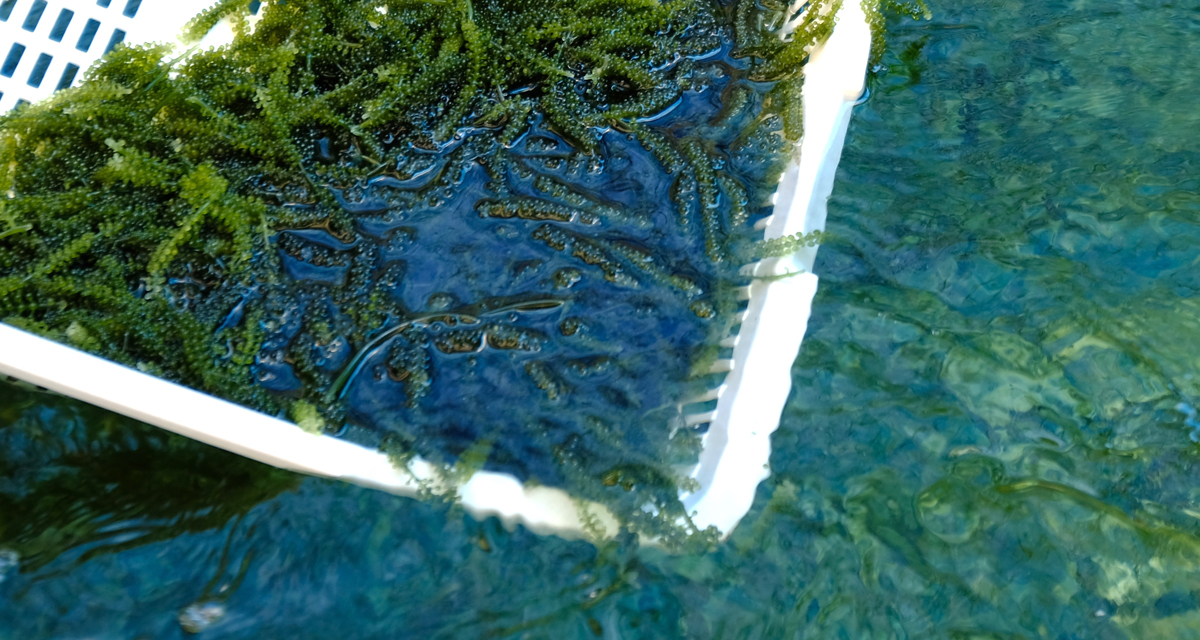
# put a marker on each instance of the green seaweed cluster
(158, 170)
(151, 213)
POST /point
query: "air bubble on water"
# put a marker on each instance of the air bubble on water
(200, 615)
(440, 301)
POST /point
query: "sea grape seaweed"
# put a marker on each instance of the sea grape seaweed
(877, 10)
(422, 225)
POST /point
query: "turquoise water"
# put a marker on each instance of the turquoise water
(992, 432)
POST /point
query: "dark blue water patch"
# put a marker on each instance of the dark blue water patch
(287, 323)
(322, 238)
(333, 355)
(360, 205)
(275, 375)
(305, 272)
(237, 313)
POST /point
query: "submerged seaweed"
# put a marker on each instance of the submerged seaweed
(421, 225)
(990, 432)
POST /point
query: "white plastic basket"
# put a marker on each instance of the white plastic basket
(46, 45)
(736, 451)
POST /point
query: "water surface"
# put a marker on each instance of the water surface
(992, 432)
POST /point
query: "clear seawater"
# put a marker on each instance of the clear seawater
(992, 432)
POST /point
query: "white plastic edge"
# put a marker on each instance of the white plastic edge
(736, 449)
(155, 20)
(276, 442)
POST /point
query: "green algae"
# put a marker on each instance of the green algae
(985, 441)
(157, 215)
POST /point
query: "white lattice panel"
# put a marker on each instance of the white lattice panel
(46, 45)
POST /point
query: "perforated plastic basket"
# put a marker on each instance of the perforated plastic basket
(47, 44)
(50, 42)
